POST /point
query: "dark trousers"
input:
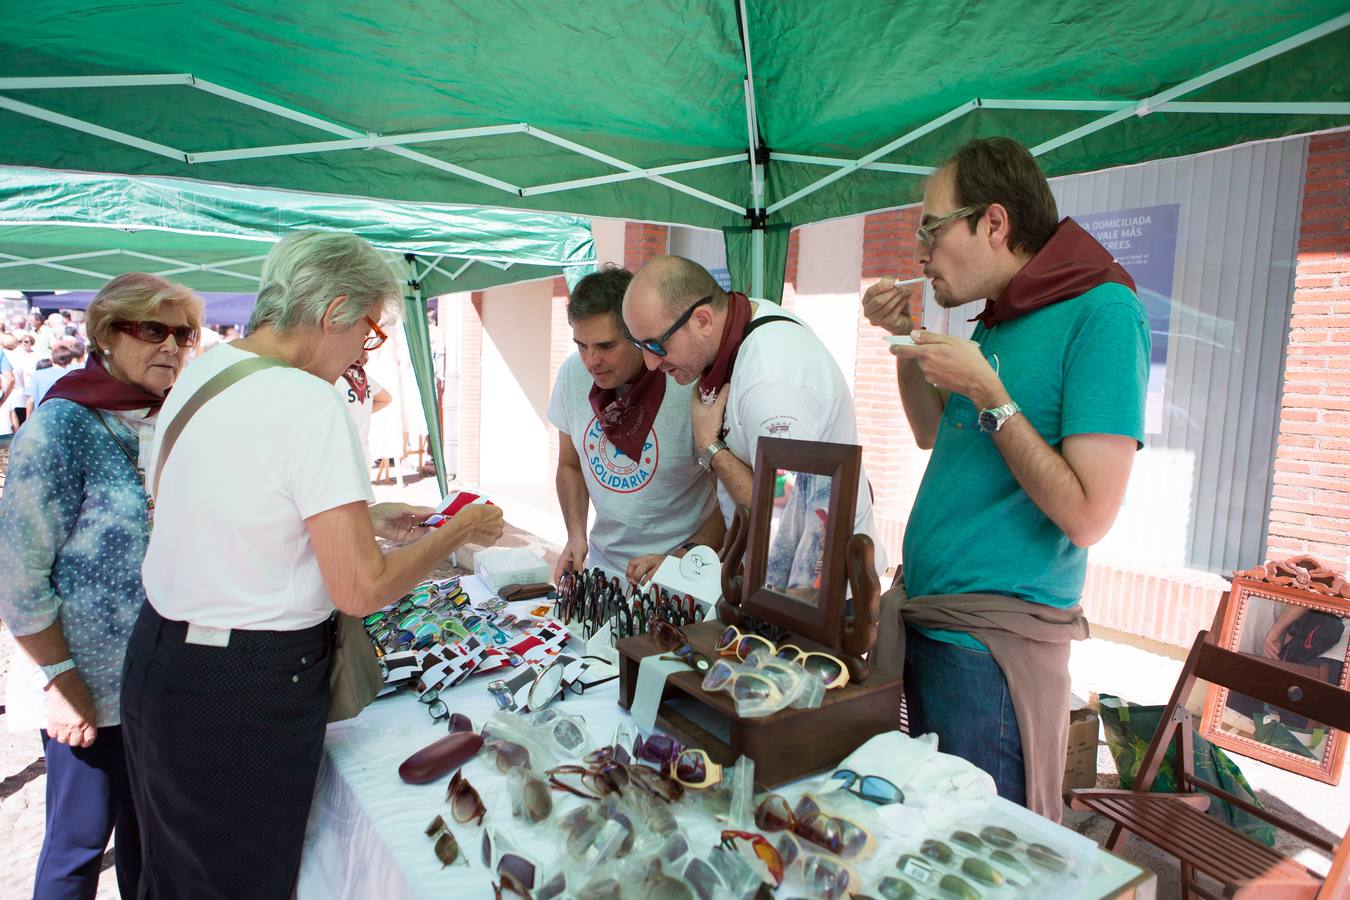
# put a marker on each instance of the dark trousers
(960, 695)
(87, 798)
(223, 751)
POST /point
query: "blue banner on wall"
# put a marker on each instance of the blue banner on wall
(1144, 241)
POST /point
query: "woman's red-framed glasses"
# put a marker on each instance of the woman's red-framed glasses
(376, 340)
(158, 332)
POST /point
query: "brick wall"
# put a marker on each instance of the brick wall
(1310, 509)
(470, 389)
(789, 298)
(641, 242)
(894, 462)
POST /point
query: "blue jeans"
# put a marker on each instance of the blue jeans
(961, 695)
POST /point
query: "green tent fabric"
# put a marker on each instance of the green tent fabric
(74, 231)
(89, 227)
(739, 240)
(694, 112)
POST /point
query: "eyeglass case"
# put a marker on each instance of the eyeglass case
(439, 759)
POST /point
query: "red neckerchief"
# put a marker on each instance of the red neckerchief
(1071, 263)
(733, 332)
(356, 377)
(627, 420)
(95, 387)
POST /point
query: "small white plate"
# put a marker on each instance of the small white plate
(901, 340)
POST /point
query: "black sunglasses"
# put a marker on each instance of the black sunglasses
(658, 346)
(158, 332)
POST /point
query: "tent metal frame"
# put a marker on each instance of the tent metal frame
(349, 138)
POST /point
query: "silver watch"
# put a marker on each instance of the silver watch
(706, 457)
(992, 419)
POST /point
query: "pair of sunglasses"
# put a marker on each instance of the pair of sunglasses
(447, 848)
(828, 878)
(657, 347)
(465, 804)
(515, 872)
(872, 788)
(158, 332)
(531, 798)
(766, 852)
(839, 836)
(829, 669)
(694, 769)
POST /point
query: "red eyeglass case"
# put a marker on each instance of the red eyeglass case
(440, 758)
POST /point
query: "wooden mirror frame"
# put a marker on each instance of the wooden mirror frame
(821, 623)
(1251, 585)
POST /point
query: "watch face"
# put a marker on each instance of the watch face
(988, 421)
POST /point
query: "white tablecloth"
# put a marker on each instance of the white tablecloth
(366, 830)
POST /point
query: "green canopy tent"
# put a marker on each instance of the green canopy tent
(71, 231)
(739, 115)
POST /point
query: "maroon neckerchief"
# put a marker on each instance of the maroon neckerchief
(95, 387)
(627, 420)
(1071, 263)
(356, 377)
(733, 333)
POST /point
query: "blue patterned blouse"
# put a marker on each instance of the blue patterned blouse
(73, 533)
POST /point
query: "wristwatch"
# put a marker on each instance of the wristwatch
(992, 419)
(706, 457)
(49, 673)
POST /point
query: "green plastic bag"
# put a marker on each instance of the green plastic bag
(1129, 729)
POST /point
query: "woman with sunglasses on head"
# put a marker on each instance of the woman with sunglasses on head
(264, 525)
(74, 522)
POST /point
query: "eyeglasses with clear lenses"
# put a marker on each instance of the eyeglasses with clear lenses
(374, 341)
(927, 234)
(657, 347)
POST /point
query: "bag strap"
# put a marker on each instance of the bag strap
(765, 320)
(217, 383)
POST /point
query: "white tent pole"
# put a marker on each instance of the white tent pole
(48, 265)
(1147, 105)
(368, 142)
(460, 271)
(35, 112)
(629, 167)
(756, 164)
(91, 81)
(629, 176)
(68, 257)
(907, 138)
(840, 163)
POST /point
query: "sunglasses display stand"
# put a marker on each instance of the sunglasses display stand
(793, 742)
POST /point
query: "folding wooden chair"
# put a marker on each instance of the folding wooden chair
(1177, 823)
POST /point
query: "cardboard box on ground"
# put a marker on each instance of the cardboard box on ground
(1080, 760)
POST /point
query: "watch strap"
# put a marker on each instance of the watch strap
(50, 673)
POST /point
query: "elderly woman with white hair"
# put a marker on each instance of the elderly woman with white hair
(74, 522)
(263, 525)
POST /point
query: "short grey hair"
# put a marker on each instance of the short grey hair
(307, 270)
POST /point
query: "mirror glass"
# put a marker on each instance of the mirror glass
(1311, 642)
(797, 534)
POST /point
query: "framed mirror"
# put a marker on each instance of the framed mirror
(1296, 627)
(801, 519)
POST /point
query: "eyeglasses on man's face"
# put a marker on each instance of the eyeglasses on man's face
(657, 347)
(376, 340)
(927, 234)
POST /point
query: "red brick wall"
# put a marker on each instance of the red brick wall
(641, 242)
(470, 389)
(894, 462)
(1310, 509)
(789, 298)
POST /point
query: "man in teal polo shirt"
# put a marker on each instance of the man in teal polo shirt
(1033, 426)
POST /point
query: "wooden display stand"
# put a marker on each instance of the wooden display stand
(786, 745)
(792, 742)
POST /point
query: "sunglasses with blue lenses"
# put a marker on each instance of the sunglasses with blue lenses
(657, 347)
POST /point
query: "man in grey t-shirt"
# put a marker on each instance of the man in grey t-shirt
(625, 446)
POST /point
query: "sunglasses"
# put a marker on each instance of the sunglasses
(765, 851)
(508, 755)
(872, 788)
(465, 804)
(829, 669)
(745, 687)
(158, 332)
(839, 836)
(695, 770)
(447, 848)
(657, 347)
(531, 798)
(927, 234)
(517, 873)
(374, 341)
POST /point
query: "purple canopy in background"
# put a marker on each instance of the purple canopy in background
(221, 309)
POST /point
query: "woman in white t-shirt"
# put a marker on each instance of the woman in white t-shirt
(226, 686)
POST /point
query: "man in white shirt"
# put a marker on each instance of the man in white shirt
(624, 446)
(785, 383)
(364, 397)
